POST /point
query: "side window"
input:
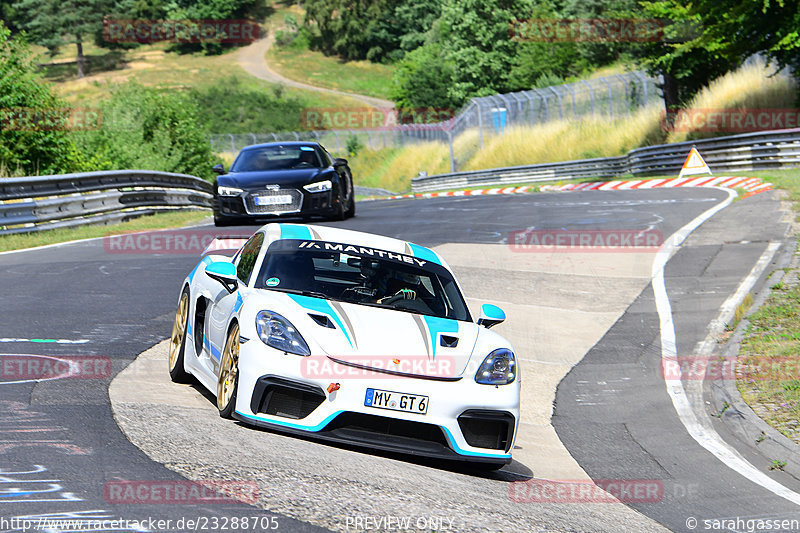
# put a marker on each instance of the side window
(326, 158)
(247, 257)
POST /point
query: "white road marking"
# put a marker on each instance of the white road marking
(704, 434)
(46, 341)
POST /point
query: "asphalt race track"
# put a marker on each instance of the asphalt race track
(63, 453)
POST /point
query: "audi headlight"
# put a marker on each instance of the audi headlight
(229, 191)
(277, 332)
(319, 186)
(499, 368)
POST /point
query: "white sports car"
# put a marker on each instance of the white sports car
(351, 337)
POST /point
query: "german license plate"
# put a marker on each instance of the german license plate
(396, 401)
(273, 200)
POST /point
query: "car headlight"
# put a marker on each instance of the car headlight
(319, 186)
(499, 368)
(277, 332)
(229, 191)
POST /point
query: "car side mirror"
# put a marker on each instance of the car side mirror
(339, 162)
(225, 273)
(491, 315)
(219, 168)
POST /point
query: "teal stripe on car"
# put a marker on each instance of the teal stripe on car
(318, 305)
(436, 326)
(424, 253)
(461, 451)
(206, 261)
(314, 428)
(295, 231)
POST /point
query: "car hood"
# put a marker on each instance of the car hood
(385, 339)
(253, 180)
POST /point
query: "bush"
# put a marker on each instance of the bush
(422, 79)
(230, 107)
(354, 145)
(25, 148)
(146, 128)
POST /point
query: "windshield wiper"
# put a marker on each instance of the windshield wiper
(403, 309)
(313, 294)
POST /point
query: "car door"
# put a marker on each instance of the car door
(225, 303)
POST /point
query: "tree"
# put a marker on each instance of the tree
(476, 39)
(54, 23)
(8, 15)
(747, 27)
(539, 63)
(422, 79)
(349, 28)
(377, 30)
(208, 10)
(601, 52)
(688, 55)
(26, 146)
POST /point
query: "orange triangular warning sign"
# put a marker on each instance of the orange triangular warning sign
(694, 164)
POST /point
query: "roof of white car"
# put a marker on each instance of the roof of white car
(357, 238)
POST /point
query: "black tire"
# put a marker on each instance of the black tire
(351, 205)
(340, 212)
(229, 364)
(177, 343)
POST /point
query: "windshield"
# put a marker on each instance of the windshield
(362, 275)
(276, 158)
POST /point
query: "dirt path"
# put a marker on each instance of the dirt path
(253, 60)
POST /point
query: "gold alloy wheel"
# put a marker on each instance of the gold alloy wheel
(228, 369)
(178, 331)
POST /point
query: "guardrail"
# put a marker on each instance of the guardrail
(735, 153)
(49, 202)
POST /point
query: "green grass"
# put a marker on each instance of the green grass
(788, 180)
(315, 68)
(154, 66)
(298, 63)
(769, 360)
(174, 219)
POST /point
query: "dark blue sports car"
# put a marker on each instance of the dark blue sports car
(283, 179)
